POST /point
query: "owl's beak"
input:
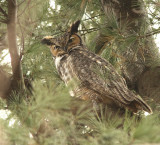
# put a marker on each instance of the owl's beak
(47, 40)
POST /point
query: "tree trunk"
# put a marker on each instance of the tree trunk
(139, 60)
(4, 83)
(17, 80)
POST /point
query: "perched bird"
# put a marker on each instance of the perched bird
(96, 79)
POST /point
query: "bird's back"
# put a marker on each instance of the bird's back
(99, 77)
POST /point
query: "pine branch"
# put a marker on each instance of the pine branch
(150, 34)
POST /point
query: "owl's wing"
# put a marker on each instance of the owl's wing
(102, 78)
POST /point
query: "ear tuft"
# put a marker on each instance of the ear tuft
(74, 27)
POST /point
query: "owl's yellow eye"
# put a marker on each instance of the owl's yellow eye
(56, 47)
(71, 39)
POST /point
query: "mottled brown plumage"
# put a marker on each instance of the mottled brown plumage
(94, 78)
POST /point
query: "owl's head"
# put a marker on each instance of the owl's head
(63, 44)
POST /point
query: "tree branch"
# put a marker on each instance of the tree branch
(3, 21)
(25, 8)
(21, 3)
(93, 17)
(150, 34)
(3, 12)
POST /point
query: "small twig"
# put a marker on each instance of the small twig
(91, 29)
(21, 3)
(3, 21)
(155, 3)
(93, 17)
(3, 12)
(35, 5)
(24, 8)
(1, 15)
(150, 34)
(89, 32)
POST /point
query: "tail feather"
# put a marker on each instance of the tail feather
(138, 104)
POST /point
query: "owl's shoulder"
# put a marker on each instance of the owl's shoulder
(90, 57)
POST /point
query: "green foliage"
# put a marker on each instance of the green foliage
(147, 131)
(48, 119)
(47, 116)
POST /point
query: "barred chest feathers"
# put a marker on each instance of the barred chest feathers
(64, 69)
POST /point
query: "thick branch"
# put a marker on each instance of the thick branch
(12, 43)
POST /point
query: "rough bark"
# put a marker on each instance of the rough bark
(138, 65)
(16, 81)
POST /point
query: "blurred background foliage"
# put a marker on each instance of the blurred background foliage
(45, 115)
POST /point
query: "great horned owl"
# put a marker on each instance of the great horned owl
(98, 81)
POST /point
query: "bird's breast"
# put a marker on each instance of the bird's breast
(64, 69)
(58, 61)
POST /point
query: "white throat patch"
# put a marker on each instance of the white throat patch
(57, 61)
